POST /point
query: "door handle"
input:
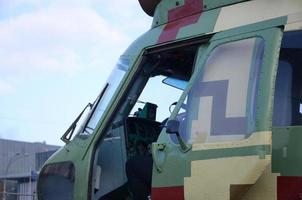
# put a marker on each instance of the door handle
(158, 148)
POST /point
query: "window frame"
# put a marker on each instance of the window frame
(125, 86)
(265, 88)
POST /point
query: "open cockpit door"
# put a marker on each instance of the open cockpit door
(218, 144)
(137, 117)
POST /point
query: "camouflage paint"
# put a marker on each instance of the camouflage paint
(175, 193)
(268, 10)
(183, 162)
(180, 17)
(177, 164)
(294, 22)
(221, 95)
(265, 187)
(212, 4)
(216, 176)
(289, 188)
(175, 159)
(286, 151)
(220, 124)
(161, 16)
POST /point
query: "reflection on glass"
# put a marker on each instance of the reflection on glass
(221, 103)
(177, 83)
(112, 84)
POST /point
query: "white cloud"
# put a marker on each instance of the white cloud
(5, 88)
(57, 39)
(126, 14)
(42, 42)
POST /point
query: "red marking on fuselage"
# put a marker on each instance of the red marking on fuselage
(289, 188)
(175, 193)
(180, 17)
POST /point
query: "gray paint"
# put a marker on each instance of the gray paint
(220, 125)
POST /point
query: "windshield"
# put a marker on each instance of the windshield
(104, 98)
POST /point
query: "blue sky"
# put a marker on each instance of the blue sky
(55, 57)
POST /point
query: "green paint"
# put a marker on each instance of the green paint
(230, 152)
(268, 70)
(267, 79)
(162, 9)
(201, 57)
(178, 165)
(211, 4)
(253, 85)
(161, 12)
(205, 24)
(79, 151)
(72, 153)
(178, 160)
(135, 52)
(147, 40)
(286, 151)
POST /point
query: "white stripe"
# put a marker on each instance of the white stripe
(255, 11)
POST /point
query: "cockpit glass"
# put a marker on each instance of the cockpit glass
(177, 83)
(105, 97)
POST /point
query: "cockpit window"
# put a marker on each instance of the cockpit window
(105, 96)
(140, 114)
(220, 105)
(288, 88)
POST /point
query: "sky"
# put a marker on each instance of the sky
(55, 56)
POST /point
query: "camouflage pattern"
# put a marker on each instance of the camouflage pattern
(252, 167)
